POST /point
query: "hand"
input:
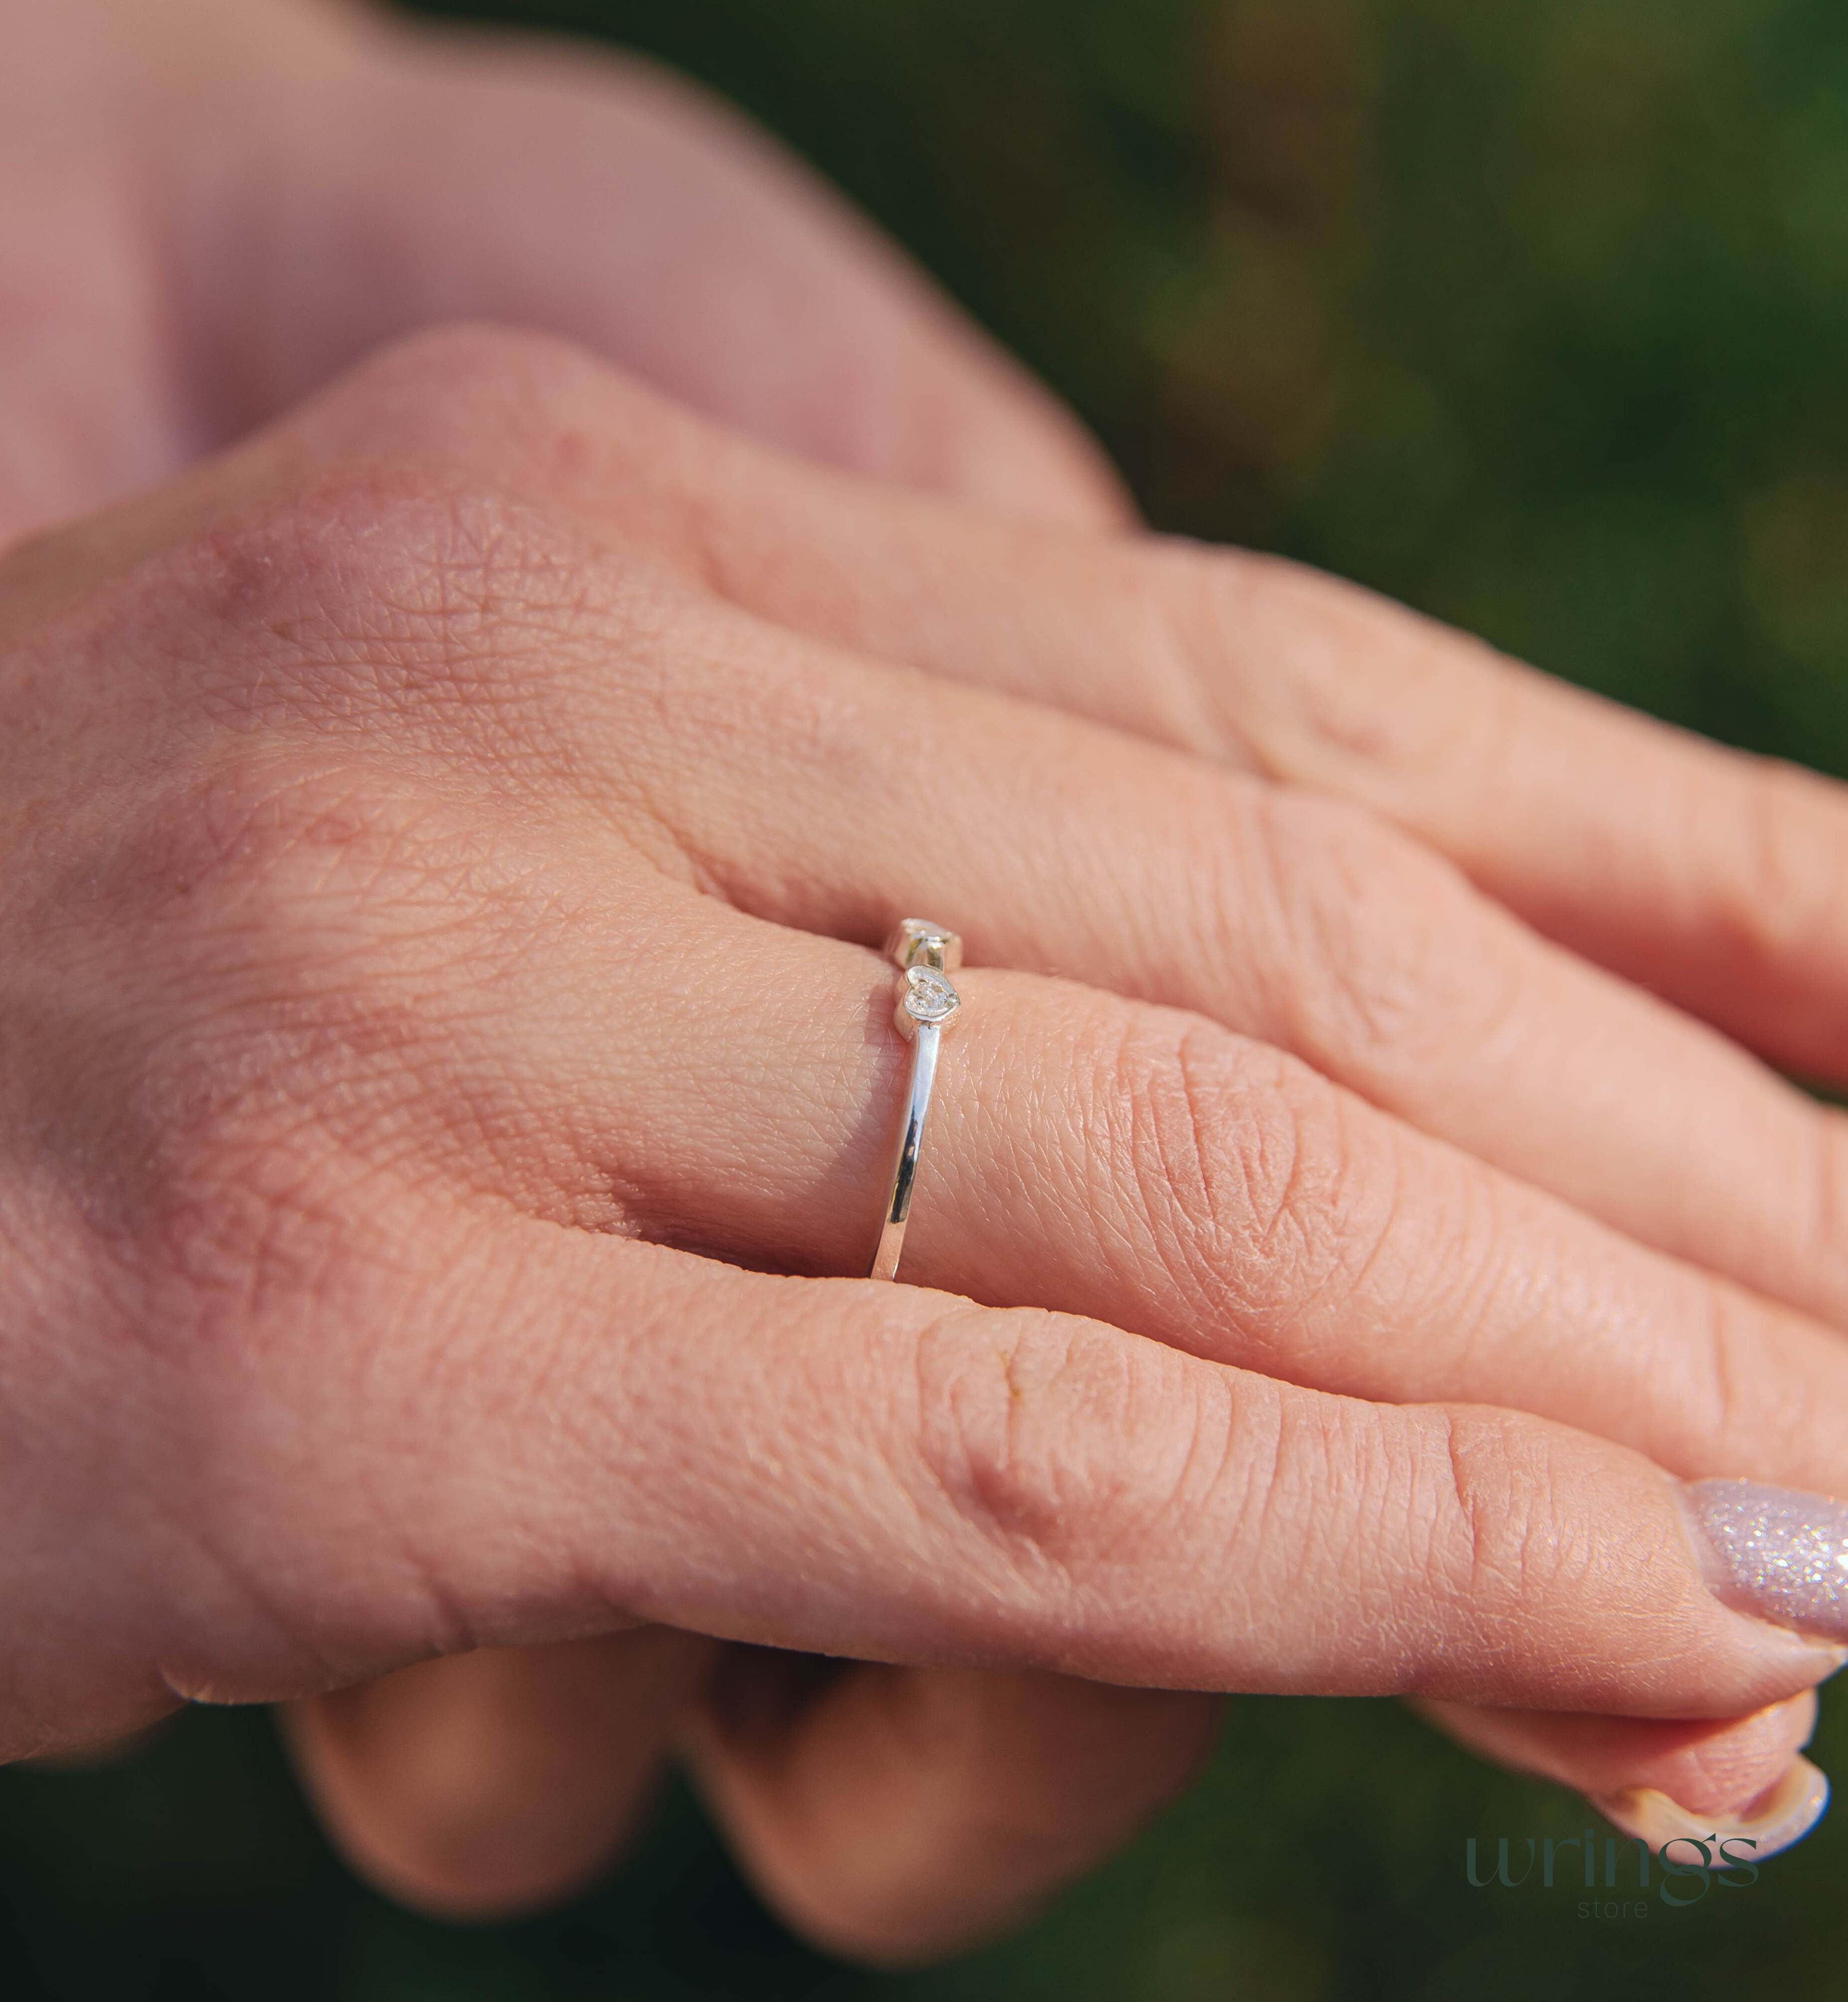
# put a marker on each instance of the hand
(268, 309)
(431, 928)
(210, 207)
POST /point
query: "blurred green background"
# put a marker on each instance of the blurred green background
(1533, 314)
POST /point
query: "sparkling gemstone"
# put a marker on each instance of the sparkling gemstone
(916, 941)
(929, 996)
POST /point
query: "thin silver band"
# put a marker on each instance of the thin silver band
(928, 1004)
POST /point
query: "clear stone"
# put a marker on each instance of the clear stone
(929, 996)
(917, 941)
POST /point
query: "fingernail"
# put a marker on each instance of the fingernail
(1776, 1820)
(1774, 1551)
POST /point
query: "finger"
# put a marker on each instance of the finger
(1712, 1766)
(608, 1431)
(1144, 1168)
(1057, 843)
(1285, 916)
(484, 1784)
(886, 1811)
(440, 176)
(896, 1815)
(1099, 1156)
(1713, 878)
(1742, 1781)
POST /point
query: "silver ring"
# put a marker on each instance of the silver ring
(926, 955)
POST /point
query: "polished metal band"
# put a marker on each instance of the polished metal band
(926, 955)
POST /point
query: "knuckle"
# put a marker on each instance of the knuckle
(503, 396)
(1062, 1441)
(387, 592)
(271, 859)
(1383, 960)
(1498, 1538)
(1374, 693)
(1241, 1171)
(1166, 1097)
(447, 612)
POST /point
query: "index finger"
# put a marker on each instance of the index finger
(564, 1431)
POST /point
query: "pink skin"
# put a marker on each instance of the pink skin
(316, 1370)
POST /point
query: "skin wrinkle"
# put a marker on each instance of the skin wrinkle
(1167, 661)
(1462, 1497)
(1106, 1115)
(1388, 1000)
(1736, 1381)
(1252, 1509)
(1335, 718)
(1384, 1228)
(1719, 1393)
(1485, 747)
(1215, 1419)
(1334, 1546)
(1160, 1405)
(1168, 1171)
(1277, 1211)
(972, 1443)
(1471, 1303)
(1017, 1499)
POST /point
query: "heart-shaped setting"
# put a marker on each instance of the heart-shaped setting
(929, 996)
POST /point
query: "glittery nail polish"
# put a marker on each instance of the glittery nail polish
(1774, 1551)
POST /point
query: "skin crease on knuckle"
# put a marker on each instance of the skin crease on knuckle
(1362, 927)
(1087, 1460)
(1254, 1189)
(1410, 717)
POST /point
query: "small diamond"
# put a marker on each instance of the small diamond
(917, 939)
(929, 996)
